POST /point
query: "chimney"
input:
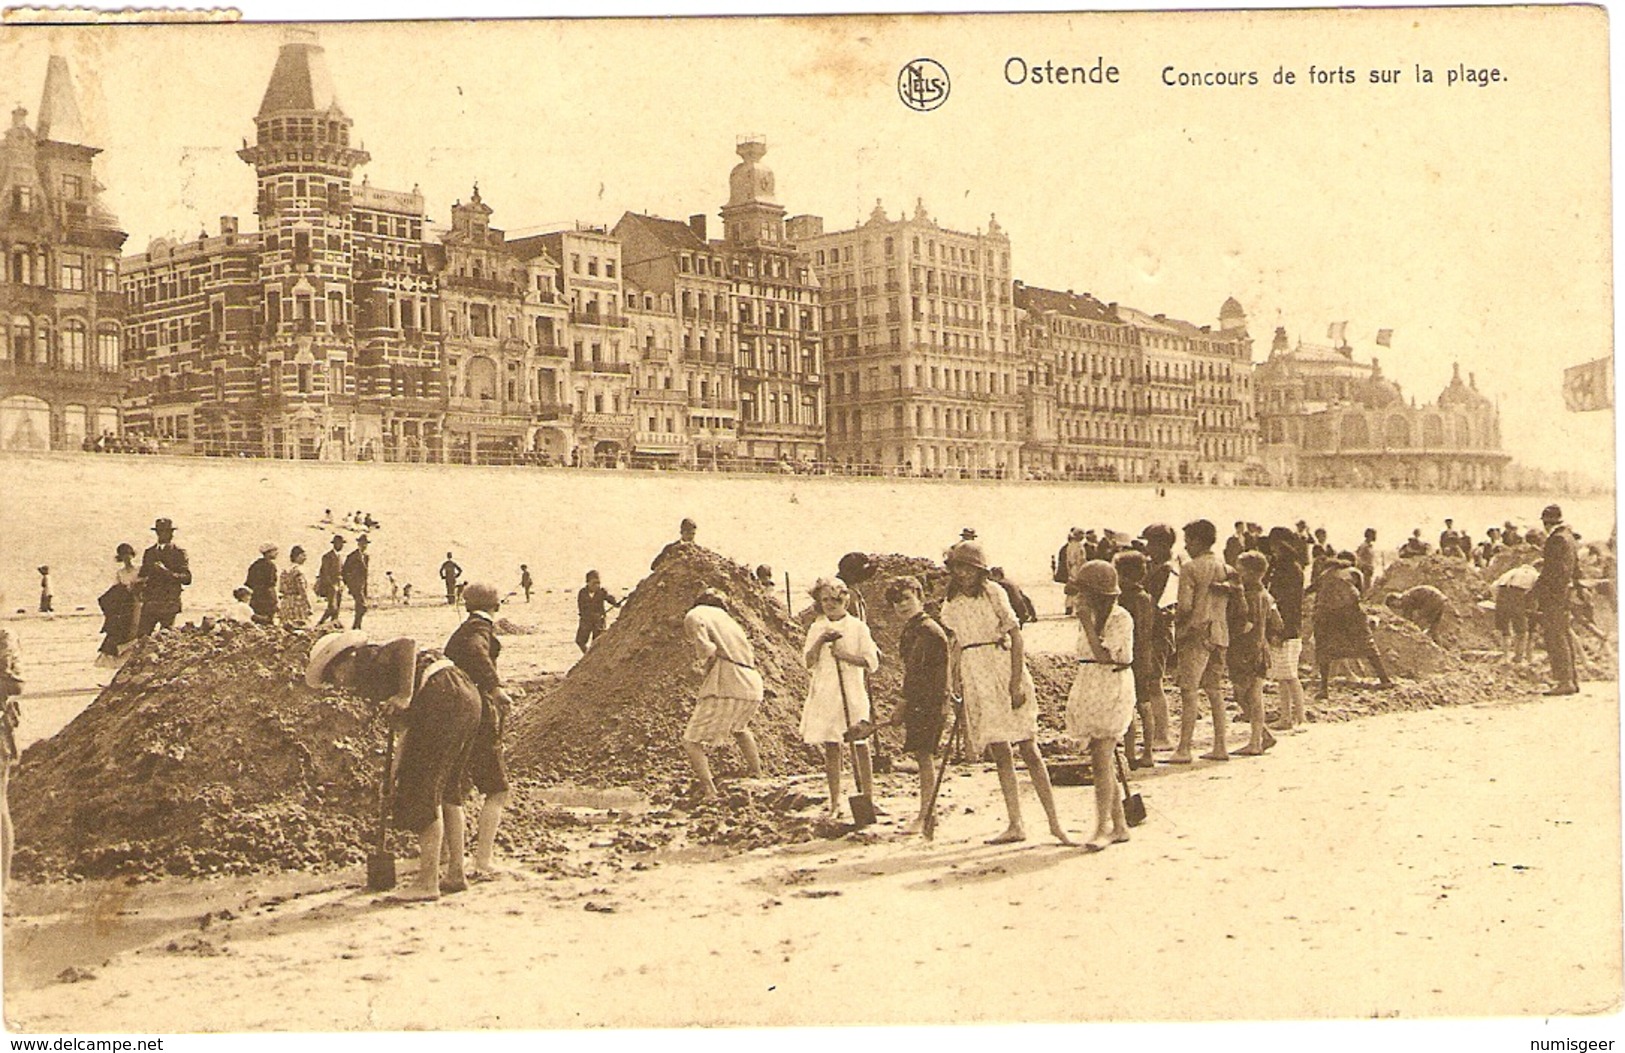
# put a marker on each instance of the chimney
(228, 225)
(696, 223)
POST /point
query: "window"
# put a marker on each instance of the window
(609, 268)
(592, 266)
(22, 198)
(73, 187)
(73, 272)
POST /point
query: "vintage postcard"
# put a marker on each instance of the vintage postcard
(788, 521)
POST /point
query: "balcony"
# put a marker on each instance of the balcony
(672, 395)
(552, 412)
(604, 367)
(597, 318)
(489, 286)
(552, 351)
(606, 424)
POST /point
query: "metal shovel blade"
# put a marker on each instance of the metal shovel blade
(863, 810)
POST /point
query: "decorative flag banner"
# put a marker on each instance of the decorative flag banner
(1336, 332)
(1589, 386)
(1385, 337)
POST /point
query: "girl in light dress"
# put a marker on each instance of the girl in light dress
(1001, 709)
(838, 650)
(293, 601)
(1100, 706)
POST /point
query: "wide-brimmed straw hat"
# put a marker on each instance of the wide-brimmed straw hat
(970, 554)
(1097, 576)
(326, 650)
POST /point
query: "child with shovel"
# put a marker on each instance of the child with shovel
(923, 646)
(838, 649)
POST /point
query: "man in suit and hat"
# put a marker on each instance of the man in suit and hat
(1558, 568)
(164, 573)
(356, 568)
(330, 581)
(261, 583)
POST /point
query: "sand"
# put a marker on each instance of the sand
(1458, 861)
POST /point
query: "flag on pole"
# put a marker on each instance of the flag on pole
(1336, 332)
(1589, 386)
(1385, 337)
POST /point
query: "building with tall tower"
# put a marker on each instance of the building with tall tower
(60, 309)
(921, 340)
(777, 324)
(315, 336)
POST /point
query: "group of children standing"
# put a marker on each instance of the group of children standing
(1141, 615)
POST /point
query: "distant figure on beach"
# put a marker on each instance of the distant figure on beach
(592, 609)
(293, 600)
(44, 589)
(327, 516)
(686, 530)
(238, 609)
(730, 690)
(11, 685)
(357, 567)
(262, 581)
(1020, 602)
(1414, 546)
(164, 573)
(526, 582)
(330, 581)
(1365, 557)
(406, 594)
(118, 606)
(449, 573)
(475, 648)
(394, 589)
(1559, 572)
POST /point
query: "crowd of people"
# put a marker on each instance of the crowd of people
(1144, 614)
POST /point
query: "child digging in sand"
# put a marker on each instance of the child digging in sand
(923, 646)
(1101, 703)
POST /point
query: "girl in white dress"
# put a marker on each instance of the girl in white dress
(838, 651)
(1101, 704)
(1001, 709)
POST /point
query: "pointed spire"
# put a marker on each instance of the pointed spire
(59, 119)
(300, 82)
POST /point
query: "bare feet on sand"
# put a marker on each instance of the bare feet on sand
(1009, 837)
(1061, 835)
(1215, 756)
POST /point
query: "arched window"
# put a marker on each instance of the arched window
(1398, 435)
(1432, 432)
(1356, 436)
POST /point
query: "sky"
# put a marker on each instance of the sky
(1472, 221)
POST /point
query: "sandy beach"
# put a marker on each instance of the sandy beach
(1451, 862)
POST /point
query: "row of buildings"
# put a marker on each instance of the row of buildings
(346, 324)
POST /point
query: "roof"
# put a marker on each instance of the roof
(300, 82)
(59, 119)
(672, 233)
(1074, 305)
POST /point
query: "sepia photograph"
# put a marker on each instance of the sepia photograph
(791, 520)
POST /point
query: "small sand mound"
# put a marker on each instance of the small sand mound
(206, 754)
(617, 718)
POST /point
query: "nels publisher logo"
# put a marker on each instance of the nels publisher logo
(923, 84)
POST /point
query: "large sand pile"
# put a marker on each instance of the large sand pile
(618, 717)
(206, 754)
